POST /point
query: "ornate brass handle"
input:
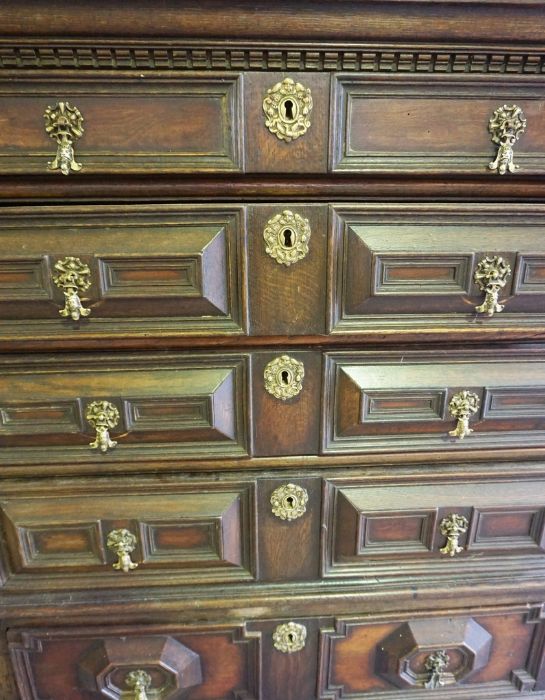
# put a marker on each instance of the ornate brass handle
(506, 126)
(284, 377)
(452, 527)
(64, 123)
(139, 682)
(286, 237)
(436, 665)
(73, 277)
(287, 106)
(462, 406)
(290, 637)
(102, 415)
(122, 542)
(491, 277)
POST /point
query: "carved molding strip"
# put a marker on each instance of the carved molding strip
(245, 57)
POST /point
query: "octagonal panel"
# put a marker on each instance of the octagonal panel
(171, 666)
(402, 656)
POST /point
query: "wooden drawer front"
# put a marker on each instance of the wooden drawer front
(429, 124)
(167, 125)
(59, 539)
(395, 530)
(411, 268)
(150, 269)
(194, 663)
(192, 406)
(490, 656)
(396, 401)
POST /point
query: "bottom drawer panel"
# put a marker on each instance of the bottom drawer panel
(159, 663)
(484, 655)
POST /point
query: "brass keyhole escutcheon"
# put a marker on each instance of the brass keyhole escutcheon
(287, 107)
(284, 377)
(287, 237)
(290, 637)
(289, 502)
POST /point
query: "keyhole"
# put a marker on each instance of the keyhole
(291, 638)
(288, 241)
(288, 109)
(290, 501)
(285, 377)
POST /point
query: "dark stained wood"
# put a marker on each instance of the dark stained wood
(289, 550)
(289, 427)
(265, 152)
(290, 299)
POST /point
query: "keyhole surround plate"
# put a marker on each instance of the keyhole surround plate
(289, 502)
(289, 637)
(287, 237)
(287, 107)
(284, 377)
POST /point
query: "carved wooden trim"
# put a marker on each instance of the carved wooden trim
(267, 56)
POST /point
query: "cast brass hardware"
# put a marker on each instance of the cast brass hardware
(491, 277)
(506, 125)
(139, 682)
(452, 527)
(287, 108)
(102, 415)
(73, 277)
(289, 502)
(462, 406)
(286, 237)
(284, 377)
(436, 665)
(64, 123)
(122, 542)
(289, 637)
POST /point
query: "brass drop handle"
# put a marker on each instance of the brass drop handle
(436, 665)
(491, 277)
(64, 124)
(506, 126)
(139, 682)
(103, 416)
(73, 277)
(452, 527)
(462, 406)
(122, 543)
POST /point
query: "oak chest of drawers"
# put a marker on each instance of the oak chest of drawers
(272, 334)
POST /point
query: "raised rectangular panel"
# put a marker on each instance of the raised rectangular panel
(406, 124)
(175, 125)
(154, 270)
(411, 268)
(169, 407)
(20, 418)
(400, 401)
(386, 531)
(24, 278)
(184, 534)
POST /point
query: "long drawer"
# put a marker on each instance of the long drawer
(269, 122)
